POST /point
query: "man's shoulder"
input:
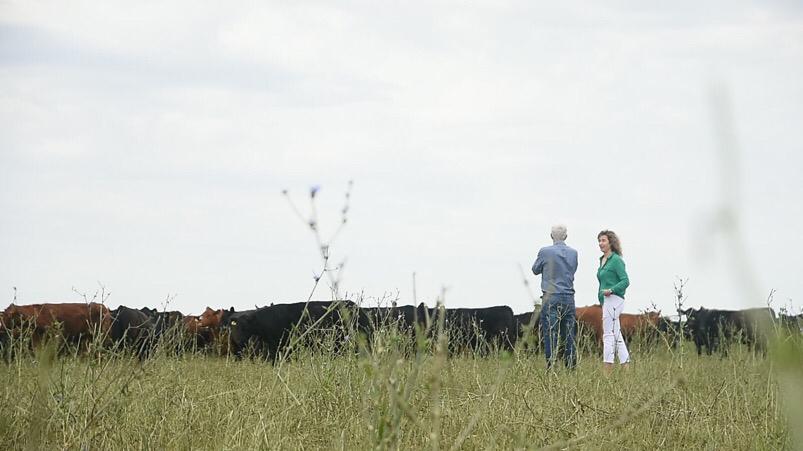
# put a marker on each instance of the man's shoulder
(547, 250)
(555, 248)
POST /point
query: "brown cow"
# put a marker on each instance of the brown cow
(642, 325)
(590, 319)
(198, 335)
(76, 322)
(212, 320)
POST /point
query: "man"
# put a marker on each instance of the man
(557, 264)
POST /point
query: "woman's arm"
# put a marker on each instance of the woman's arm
(624, 281)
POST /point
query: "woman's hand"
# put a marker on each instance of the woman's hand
(607, 293)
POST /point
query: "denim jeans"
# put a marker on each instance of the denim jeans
(557, 329)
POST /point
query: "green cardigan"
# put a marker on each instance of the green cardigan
(612, 276)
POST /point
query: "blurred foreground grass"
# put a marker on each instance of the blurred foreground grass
(383, 399)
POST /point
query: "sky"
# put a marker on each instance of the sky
(145, 148)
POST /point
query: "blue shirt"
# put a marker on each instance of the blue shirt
(557, 265)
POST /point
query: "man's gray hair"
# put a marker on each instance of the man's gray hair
(559, 232)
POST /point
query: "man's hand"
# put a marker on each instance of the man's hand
(607, 293)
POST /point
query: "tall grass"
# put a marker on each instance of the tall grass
(380, 395)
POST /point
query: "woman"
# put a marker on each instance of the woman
(613, 282)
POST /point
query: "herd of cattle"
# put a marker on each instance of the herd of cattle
(269, 330)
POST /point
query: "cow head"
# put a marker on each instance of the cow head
(425, 314)
(3, 320)
(12, 317)
(192, 324)
(211, 318)
(238, 329)
(694, 318)
(653, 318)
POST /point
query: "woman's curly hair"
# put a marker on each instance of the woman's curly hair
(616, 245)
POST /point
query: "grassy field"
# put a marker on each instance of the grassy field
(389, 399)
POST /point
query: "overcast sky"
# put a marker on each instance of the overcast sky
(145, 146)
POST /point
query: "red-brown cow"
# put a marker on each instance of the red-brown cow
(643, 325)
(76, 322)
(590, 318)
(212, 320)
(199, 336)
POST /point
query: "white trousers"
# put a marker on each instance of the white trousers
(612, 341)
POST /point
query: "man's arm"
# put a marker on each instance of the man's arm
(538, 266)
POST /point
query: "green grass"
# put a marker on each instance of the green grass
(386, 399)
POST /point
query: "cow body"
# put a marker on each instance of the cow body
(525, 322)
(528, 328)
(791, 324)
(195, 336)
(271, 327)
(712, 329)
(169, 330)
(644, 325)
(589, 322)
(471, 327)
(76, 323)
(132, 329)
(372, 319)
(672, 331)
(164, 321)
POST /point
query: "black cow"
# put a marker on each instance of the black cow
(791, 324)
(168, 328)
(672, 331)
(132, 329)
(271, 327)
(230, 316)
(528, 329)
(714, 329)
(4, 341)
(472, 328)
(163, 320)
(399, 323)
(375, 318)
